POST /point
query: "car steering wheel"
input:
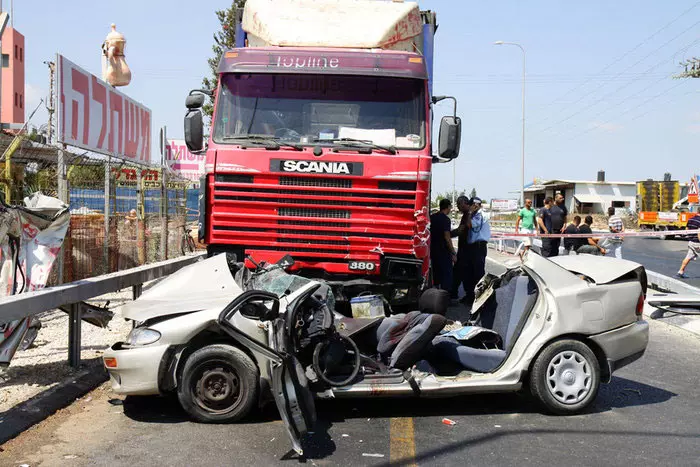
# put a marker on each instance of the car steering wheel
(330, 354)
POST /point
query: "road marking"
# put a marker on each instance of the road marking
(402, 446)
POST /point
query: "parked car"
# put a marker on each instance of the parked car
(226, 339)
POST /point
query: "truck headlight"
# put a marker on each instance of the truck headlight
(142, 336)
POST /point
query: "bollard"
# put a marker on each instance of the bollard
(136, 291)
(74, 328)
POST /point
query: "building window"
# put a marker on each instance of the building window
(16, 54)
(16, 99)
(619, 204)
(21, 101)
(21, 54)
(5, 60)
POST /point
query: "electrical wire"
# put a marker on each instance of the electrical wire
(620, 58)
(624, 86)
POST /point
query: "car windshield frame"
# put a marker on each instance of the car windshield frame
(280, 100)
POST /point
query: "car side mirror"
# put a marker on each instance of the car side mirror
(258, 310)
(450, 137)
(194, 129)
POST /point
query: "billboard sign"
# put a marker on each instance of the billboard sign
(504, 204)
(93, 115)
(127, 177)
(182, 162)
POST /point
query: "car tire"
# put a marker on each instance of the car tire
(565, 377)
(219, 384)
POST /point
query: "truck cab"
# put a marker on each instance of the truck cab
(320, 145)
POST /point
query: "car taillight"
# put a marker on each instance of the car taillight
(640, 305)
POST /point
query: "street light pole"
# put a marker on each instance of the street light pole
(522, 144)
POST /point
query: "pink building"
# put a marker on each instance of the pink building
(12, 84)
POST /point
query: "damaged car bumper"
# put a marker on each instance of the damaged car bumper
(133, 370)
(624, 345)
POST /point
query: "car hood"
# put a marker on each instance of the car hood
(199, 286)
(601, 269)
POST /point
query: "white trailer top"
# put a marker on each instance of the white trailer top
(363, 24)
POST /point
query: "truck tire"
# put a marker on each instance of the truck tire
(219, 384)
(565, 377)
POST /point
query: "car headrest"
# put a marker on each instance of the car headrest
(434, 301)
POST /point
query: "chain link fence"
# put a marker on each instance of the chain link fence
(118, 209)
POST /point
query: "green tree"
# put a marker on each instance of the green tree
(434, 204)
(224, 39)
(472, 194)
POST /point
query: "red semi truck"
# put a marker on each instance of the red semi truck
(320, 143)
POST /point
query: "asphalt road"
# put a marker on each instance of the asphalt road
(646, 416)
(662, 256)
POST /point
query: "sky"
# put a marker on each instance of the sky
(600, 93)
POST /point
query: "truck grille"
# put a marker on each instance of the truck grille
(315, 215)
(302, 212)
(313, 181)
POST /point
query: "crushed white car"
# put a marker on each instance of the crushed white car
(226, 339)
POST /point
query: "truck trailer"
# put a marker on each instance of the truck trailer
(320, 145)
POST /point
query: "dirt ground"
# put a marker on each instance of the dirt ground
(45, 364)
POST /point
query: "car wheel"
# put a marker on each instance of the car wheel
(219, 384)
(565, 377)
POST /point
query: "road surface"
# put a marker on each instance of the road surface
(662, 256)
(647, 416)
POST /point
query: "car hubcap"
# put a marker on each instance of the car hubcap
(217, 390)
(569, 377)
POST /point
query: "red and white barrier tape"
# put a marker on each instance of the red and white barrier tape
(660, 233)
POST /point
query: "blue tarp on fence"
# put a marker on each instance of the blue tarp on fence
(126, 200)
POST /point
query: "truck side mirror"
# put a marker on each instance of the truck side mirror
(194, 101)
(194, 129)
(450, 137)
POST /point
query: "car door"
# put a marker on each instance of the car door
(289, 384)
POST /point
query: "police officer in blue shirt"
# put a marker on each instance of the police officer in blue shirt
(478, 237)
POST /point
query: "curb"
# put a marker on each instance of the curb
(23, 416)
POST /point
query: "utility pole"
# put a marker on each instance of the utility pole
(50, 104)
(692, 69)
(522, 144)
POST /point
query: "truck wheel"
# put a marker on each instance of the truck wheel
(565, 377)
(219, 384)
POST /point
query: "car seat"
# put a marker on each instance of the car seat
(505, 312)
(403, 339)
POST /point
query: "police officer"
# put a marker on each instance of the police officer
(442, 252)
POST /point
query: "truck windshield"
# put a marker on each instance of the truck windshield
(317, 109)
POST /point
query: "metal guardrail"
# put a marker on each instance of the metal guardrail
(668, 284)
(73, 294)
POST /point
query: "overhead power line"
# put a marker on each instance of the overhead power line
(620, 88)
(625, 55)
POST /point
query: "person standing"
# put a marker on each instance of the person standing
(693, 246)
(479, 235)
(613, 246)
(525, 223)
(572, 244)
(590, 245)
(442, 252)
(544, 221)
(559, 213)
(461, 233)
